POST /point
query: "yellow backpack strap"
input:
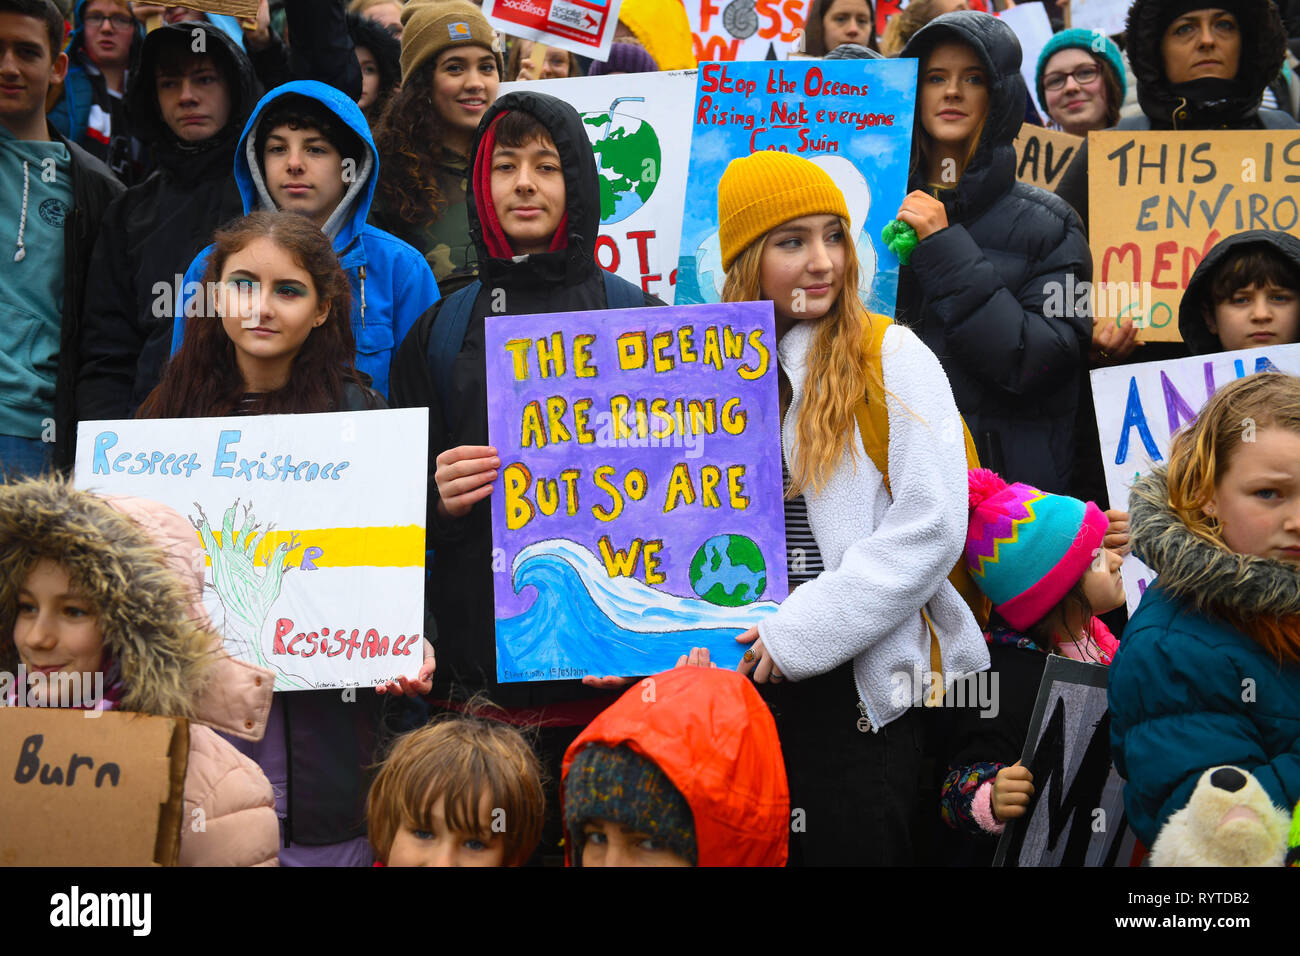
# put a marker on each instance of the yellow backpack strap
(872, 413)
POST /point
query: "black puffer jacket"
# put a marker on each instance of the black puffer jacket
(1191, 310)
(1207, 104)
(569, 280)
(153, 231)
(976, 292)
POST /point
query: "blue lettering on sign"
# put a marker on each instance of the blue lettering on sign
(1134, 416)
(103, 442)
(221, 466)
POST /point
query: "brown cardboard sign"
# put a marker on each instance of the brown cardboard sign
(237, 8)
(1159, 201)
(1043, 155)
(102, 790)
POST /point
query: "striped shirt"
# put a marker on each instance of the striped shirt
(803, 559)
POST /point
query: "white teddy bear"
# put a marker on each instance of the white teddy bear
(1229, 821)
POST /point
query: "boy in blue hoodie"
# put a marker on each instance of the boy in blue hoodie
(307, 148)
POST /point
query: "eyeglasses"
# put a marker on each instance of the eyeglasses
(1083, 76)
(120, 22)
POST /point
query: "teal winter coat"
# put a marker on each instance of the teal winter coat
(1190, 691)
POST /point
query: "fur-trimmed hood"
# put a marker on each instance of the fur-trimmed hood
(1212, 579)
(141, 566)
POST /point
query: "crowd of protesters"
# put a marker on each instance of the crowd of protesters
(359, 166)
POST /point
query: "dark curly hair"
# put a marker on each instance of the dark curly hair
(408, 139)
(203, 380)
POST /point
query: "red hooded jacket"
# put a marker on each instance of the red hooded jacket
(709, 731)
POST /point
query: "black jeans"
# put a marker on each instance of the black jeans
(853, 794)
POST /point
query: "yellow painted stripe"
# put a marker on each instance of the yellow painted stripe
(375, 547)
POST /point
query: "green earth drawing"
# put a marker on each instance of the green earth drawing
(628, 159)
(729, 571)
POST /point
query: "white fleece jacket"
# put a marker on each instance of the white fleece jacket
(885, 557)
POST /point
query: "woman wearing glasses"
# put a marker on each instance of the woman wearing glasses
(1081, 82)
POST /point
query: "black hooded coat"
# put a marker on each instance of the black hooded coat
(151, 233)
(569, 280)
(1196, 297)
(978, 292)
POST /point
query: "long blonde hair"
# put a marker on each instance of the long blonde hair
(837, 375)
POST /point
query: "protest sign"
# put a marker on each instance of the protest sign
(1077, 815)
(638, 129)
(1043, 155)
(90, 788)
(1158, 202)
(584, 27)
(1033, 29)
(745, 29)
(311, 528)
(851, 117)
(1108, 16)
(1139, 407)
(639, 509)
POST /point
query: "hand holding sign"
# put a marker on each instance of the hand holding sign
(758, 661)
(423, 682)
(464, 477)
(1013, 788)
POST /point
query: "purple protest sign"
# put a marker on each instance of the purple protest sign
(638, 512)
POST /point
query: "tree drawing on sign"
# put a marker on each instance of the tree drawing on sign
(247, 590)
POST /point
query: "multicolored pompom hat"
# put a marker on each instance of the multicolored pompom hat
(1027, 549)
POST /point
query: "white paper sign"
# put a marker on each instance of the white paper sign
(1139, 407)
(1033, 30)
(639, 125)
(311, 528)
(1108, 16)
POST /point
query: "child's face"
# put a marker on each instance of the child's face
(802, 267)
(268, 304)
(443, 846)
(196, 102)
(1257, 499)
(954, 94)
(56, 629)
(528, 193)
(1256, 316)
(1102, 584)
(605, 843)
(304, 172)
(369, 78)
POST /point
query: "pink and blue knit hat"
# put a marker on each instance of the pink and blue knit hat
(1027, 548)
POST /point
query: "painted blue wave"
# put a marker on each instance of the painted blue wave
(582, 621)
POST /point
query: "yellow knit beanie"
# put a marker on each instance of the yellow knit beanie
(431, 26)
(662, 27)
(759, 192)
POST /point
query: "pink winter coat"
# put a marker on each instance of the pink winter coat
(229, 808)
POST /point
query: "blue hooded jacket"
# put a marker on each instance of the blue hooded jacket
(392, 284)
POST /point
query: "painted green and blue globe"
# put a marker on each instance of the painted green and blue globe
(729, 571)
(628, 159)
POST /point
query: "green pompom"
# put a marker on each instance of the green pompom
(900, 239)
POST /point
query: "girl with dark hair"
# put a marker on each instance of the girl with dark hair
(835, 22)
(378, 54)
(557, 63)
(276, 338)
(425, 135)
(282, 339)
(1041, 560)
